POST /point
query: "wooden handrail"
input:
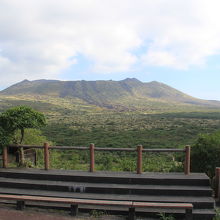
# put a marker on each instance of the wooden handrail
(92, 150)
(167, 150)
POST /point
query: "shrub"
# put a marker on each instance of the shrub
(205, 154)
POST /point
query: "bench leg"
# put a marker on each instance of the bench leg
(73, 209)
(189, 215)
(131, 214)
(20, 205)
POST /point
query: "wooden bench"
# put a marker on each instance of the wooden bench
(21, 199)
(187, 206)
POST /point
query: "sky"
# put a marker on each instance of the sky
(176, 42)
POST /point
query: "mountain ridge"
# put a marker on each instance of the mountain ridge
(107, 93)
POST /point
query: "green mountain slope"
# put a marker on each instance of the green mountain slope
(115, 114)
(125, 94)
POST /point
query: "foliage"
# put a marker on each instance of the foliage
(73, 122)
(165, 217)
(108, 161)
(6, 131)
(5, 138)
(205, 153)
(217, 216)
(32, 136)
(64, 159)
(97, 213)
(111, 129)
(21, 117)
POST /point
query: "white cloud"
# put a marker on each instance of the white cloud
(41, 38)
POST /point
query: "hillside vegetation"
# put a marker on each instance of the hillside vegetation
(156, 115)
(73, 121)
(124, 95)
(115, 114)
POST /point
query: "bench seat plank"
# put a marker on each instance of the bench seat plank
(163, 205)
(65, 200)
(75, 202)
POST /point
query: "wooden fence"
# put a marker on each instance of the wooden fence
(139, 149)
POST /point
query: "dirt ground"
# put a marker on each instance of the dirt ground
(10, 213)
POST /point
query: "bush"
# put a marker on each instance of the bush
(205, 154)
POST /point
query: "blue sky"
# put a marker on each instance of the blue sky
(201, 82)
(174, 42)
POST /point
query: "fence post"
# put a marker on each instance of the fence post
(5, 157)
(187, 160)
(46, 156)
(92, 157)
(217, 183)
(139, 159)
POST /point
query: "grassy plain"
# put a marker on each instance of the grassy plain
(75, 122)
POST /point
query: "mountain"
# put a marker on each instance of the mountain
(129, 93)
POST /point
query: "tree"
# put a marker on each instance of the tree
(6, 132)
(33, 136)
(20, 118)
(205, 153)
(5, 138)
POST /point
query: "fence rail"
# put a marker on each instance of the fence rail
(139, 149)
(160, 150)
